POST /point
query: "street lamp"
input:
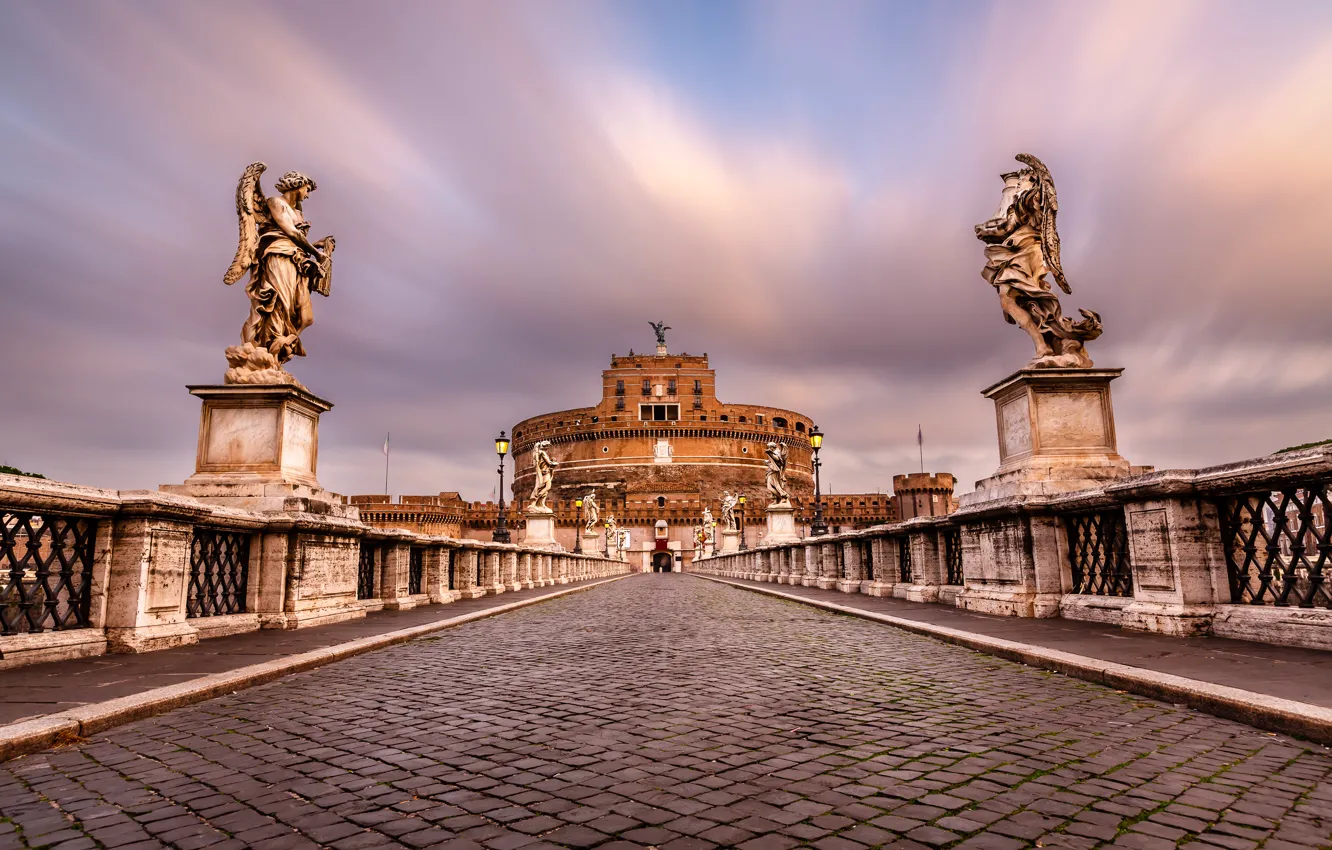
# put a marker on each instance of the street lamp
(608, 554)
(578, 524)
(501, 534)
(818, 527)
(743, 547)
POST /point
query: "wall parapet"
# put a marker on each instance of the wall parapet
(86, 570)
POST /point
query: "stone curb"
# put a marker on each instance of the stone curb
(1273, 714)
(40, 733)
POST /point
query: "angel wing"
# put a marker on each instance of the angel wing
(250, 206)
(1050, 211)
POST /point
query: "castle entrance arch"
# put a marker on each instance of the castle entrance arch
(662, 561)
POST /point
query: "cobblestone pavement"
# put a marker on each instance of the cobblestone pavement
(671, 712)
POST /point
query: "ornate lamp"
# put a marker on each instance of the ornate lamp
(578, 526)
(501, 534)
(740, 516)
(817, 527)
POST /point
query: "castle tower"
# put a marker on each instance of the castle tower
(923, 494)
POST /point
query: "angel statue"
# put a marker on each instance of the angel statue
(284, 266)
(709, 525)
(612, 533)
(593, 512)
(776, 477)
(1021, 247)
(544, 469)
(700, 536)
(728, 503)
(661, 328)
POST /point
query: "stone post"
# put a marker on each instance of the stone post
(394, 562)
(884, 557)
(1175, 549)
(149, 547)
(828, 566)
(851, 573)
(813, 564)
(762, 565)
(511, 580)
(436, 583)
(467, 567)
(1017, 561)
(492, 573)
(927, 565)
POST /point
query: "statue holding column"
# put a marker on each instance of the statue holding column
(1021, 249)
(284, 267)
(776, 476)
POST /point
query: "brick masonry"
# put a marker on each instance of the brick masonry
(665, 711)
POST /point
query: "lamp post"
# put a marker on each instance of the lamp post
(501, 534)
(743, 546)
(578, 525)
(817, 527)
(608, 551)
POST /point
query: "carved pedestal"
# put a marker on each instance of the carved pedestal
(781, 525)
(730, 541)
(1056, 434)
(541, 529)
(592, 543)
(258, 450)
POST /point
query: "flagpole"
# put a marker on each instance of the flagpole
(386, 460)
(920, 441)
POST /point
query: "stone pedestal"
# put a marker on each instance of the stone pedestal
(258, 450)
(541, 529)
(592, 543)
(781, 525)
(1056, 434)
(730, 541)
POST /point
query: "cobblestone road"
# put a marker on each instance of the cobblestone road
(667, 711)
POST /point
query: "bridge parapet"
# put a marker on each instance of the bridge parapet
(85, 571)
(1241, 550)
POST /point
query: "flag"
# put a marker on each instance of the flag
(386, 445)
(920, 436)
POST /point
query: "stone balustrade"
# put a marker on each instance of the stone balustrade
(1241, 550)
(84, 571)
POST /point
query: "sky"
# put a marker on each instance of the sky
(518, 188)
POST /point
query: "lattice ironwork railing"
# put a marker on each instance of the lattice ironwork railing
(1098, 553)
(904, 559)
(953, 556)
(1278, 547)
(416, 570)
(365, 572)
(867, 559)
(47, 563)
(219, 573)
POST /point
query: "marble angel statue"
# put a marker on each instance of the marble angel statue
(728, 503)
(543, 468)
(1021, 249)
(593, 512)
(776, 476)
(284, 267)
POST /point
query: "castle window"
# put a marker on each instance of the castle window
(596, 419)
(758, 419)
(703, 418)
(742, 419)
(670, 387)
(517, 434)
(658, 412)
(647, 387)
(725, 418)
(698, 387)
(619, 387)
(698, 402)
(661, 501)
(800, 426)
(744, 449)
(619, 405)
(779, 422)
(616, 418)
(605, 449)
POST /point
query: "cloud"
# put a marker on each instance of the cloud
(517, 188)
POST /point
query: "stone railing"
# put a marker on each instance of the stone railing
(1241, 550)
(85, 571)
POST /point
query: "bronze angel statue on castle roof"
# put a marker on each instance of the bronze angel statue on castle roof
(284, 266)
(1021, 248)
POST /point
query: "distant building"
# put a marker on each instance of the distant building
(923, 494)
